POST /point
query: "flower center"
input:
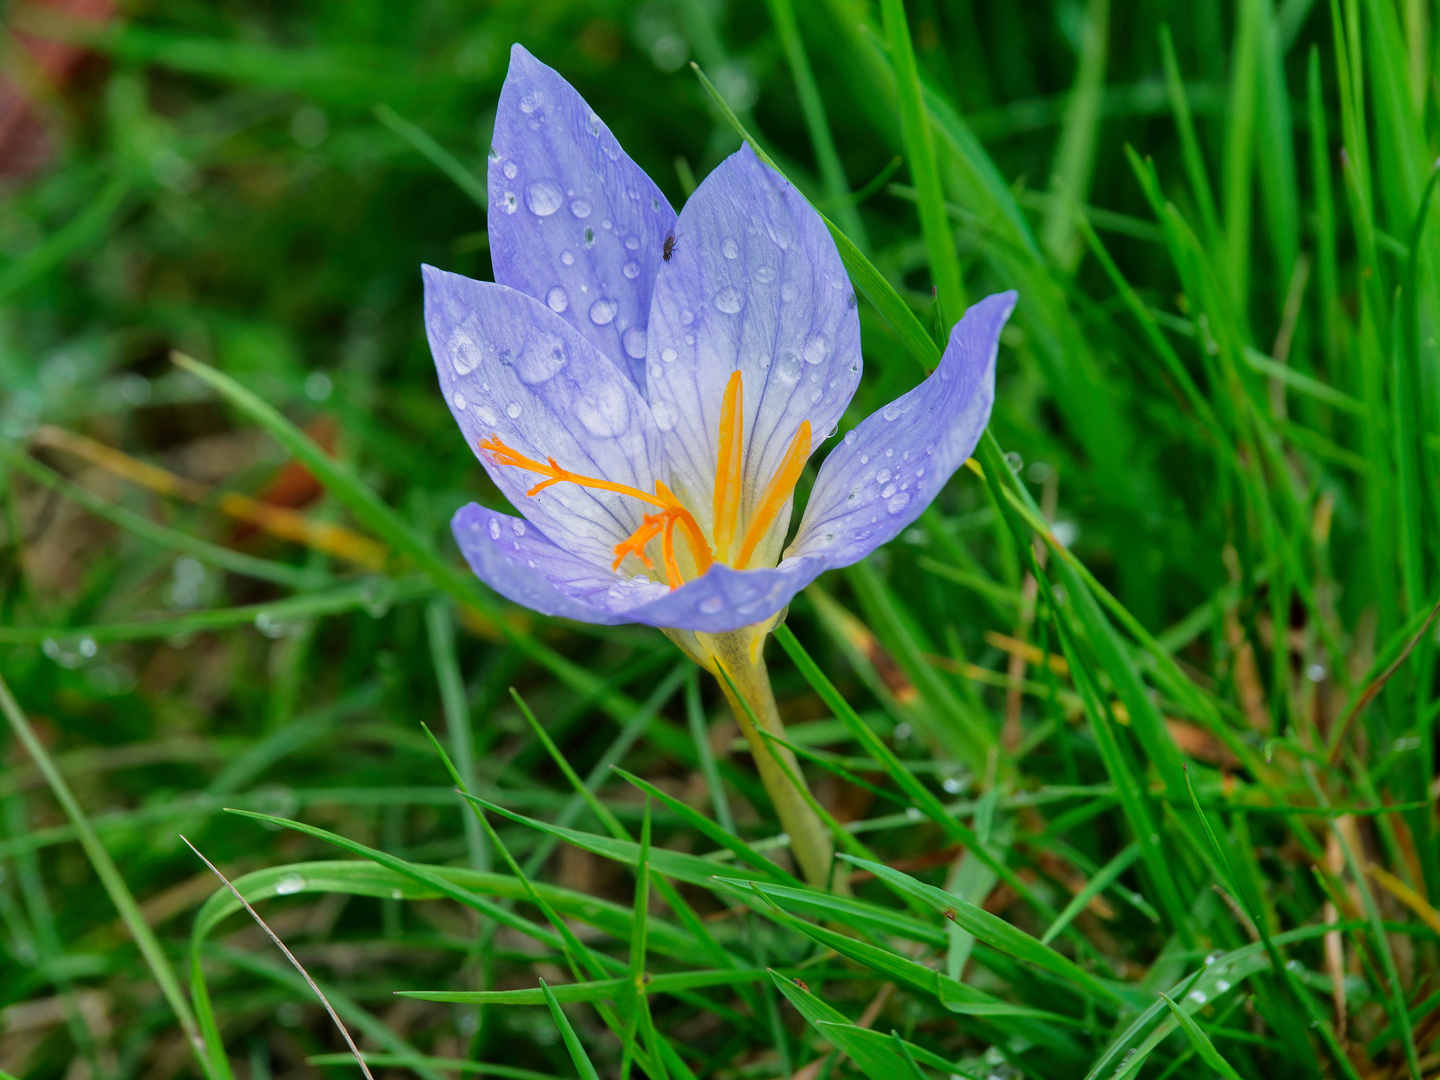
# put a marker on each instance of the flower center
(671, 512)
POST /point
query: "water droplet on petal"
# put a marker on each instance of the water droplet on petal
(494, 529)
(668, 355)
(557, 300)
(730, 249)
(510, 170)
(891, 412)
(580, 208)
(512, 410)
(459, 400)
(511, 203)
(815, 348)
(882, 476)
(517, 527)
(850, 437)
(728, 300)
(687, 317)
(531, 101)
(603, 410)
(567, 257)
(603, 311)
(632, 243)
(631, 269)
(711, 604)
(634, 342)
(765, 275)
(790, 364)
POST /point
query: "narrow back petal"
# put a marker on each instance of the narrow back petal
(573, 221)
(755, 285)
(512, 369)
(886, 471)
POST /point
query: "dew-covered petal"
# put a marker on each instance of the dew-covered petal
(521, 564)
(724, 599)
(511, 368)
(890, 467)
(755, 284)
(573, 221)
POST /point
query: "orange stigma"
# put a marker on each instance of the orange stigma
(729, 476)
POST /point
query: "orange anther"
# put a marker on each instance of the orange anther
(727, 466)
(780, 488)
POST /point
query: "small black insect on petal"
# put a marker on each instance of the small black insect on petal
(669, 245)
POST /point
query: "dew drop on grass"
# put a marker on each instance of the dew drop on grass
(289, 885)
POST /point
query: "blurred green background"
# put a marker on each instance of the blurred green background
(1219, 388)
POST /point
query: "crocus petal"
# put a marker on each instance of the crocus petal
(887, 470)
(521, 564)
(573, 221)
(755, 284)
(725, 599)
(513, 369)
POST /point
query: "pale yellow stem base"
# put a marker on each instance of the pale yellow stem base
(739, 653)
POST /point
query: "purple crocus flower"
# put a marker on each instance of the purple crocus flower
(646, 389)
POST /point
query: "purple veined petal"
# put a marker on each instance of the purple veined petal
(755, 284)
(521, 564)
(724, 599)
(509, 367)
(573, 221)
(889, 468)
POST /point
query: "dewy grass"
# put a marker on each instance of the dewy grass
(1127, 742)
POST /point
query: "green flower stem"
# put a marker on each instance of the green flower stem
(736, 660)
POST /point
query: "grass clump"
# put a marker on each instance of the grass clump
(1128, 747)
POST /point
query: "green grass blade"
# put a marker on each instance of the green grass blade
(832, 173)
(924, 170)
(1195, 170)
(1201, 1042)
(993, 930)
(440, 630)
(206, 1055)
(436, 154)
(583, 1065)
(1074, 163)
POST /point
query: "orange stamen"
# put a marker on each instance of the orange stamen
(699, 549)
(781, 485)
(554, 474)
(727, 466)
(651, 525)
